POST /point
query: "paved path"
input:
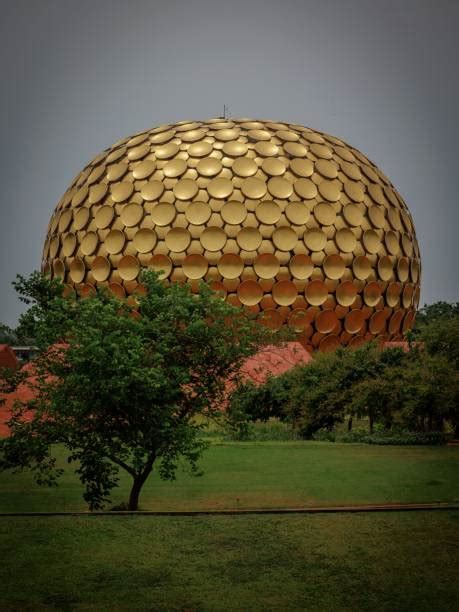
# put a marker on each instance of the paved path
(236, 512)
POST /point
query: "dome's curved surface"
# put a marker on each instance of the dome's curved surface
(290, 222)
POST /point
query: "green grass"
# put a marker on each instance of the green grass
(270, 474)
(384, 562)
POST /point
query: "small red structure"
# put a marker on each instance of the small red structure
(8, 357)
(274, 360)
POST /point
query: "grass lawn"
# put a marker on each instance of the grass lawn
(383, 562)
(270, 474)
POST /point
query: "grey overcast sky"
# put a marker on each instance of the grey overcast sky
(77, 75)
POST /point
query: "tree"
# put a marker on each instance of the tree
(120, 385)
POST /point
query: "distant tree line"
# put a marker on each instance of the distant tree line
(414, 391)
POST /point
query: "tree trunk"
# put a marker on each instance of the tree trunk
(349, 424)
(371, 423)
(139, 481)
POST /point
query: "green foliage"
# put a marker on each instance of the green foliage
(393, 438)
(122, 389)
(7, 335)
(271, 429)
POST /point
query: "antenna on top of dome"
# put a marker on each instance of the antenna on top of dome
(225, 112)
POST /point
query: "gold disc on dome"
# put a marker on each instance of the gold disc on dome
(104, 216)
(330, 190)
(220, 188)
(265, 149)
(213, 239)
(407, 297)
(227, 134)
(354, 191)
(121, 191)
(249, 239)
(193, 135)
(393, 293)
(209, 166)
(297, 213)
(284, 292)
(372, 293)
(233, 212)
(407, 245)
(326, 321)
(371, 241)
(385, 268)
(273, 167)
(198, 213)
(345, 240)
(321, 151)
(117, 290)
(89, 243)
(114, 241)
(116, 171)
(97, 193)
(152, 190)
(162, 264)
(144, 169)
(58, 268)
(185, 189)
(295, 149)
(64, 219)
(163, 213)
(230, 265)
(266, 265)
(315, 239)
(253, 188)
(305, 188)
(268, 212)
(394, 219)
(69, 244)
(100, 268)
(249, 292)
(178, 239)
(403, 269)
(200, 149)
(316, 292)
(138, 152)
(175, 168)
(354, 321)
(361, 267)
(81, 218)
(414, 270)
(131, 214)
(395, 321)
(167, 151)
(287, 136)
(302, 167)
(144, 240)
(299, 319)
(301, 266)
(162, 136)
(377, 323)
(235, 148)
(244, 167)
(271, 318)
(391, 240)
(346, 292)
(128, 267)
(377, 217)
(284, 238)
(326, 168)
(77, 270)
(324, 213)
(195, 266)
(352, 214)
(351, 170)
(334, 266)
(280, 188)
(255, 135)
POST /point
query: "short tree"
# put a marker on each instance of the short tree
(123, 385)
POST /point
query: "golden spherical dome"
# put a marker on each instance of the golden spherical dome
(294, 224)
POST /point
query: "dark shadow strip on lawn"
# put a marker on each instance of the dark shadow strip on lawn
(236, 512)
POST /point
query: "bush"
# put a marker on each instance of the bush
(263, 431)
(392, 438)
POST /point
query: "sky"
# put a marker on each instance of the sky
(78, 75)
